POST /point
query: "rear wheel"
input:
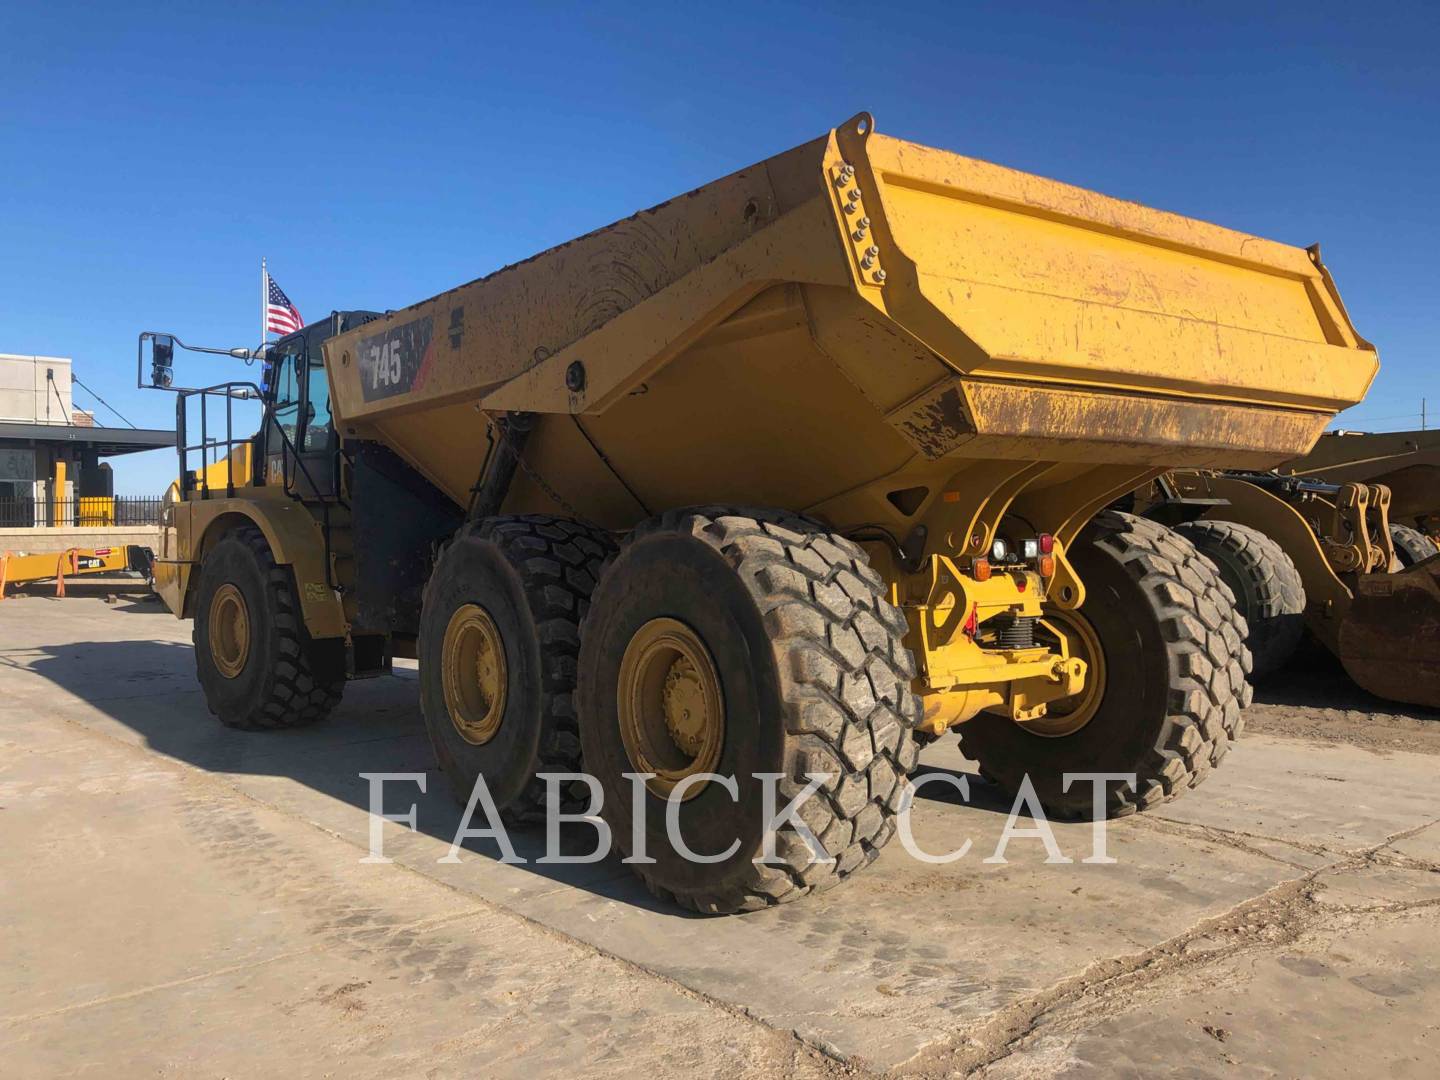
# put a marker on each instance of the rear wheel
(1266, 585)
(1411, 545)
(499, 633)
(737, 643)
(1171, 678)
(258, 667)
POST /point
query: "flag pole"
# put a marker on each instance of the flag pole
(263, 275)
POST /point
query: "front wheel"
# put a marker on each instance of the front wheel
(1165, 647)
(258, 667)
(1411, 545)
(739, 643)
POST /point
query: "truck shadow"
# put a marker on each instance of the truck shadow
(149, 687)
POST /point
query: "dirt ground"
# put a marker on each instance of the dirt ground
(178, 899)
(1313, 699)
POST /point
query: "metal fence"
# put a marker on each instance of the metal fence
(81, 512)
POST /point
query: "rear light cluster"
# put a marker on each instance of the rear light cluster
(1037, 552)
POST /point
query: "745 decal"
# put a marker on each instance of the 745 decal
(395, 360)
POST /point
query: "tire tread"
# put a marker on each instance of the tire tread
(845, 679)
(299, 694)
(558, 561)
(1276, 612)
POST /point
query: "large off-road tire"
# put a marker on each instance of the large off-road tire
(1175, 667)
(258, 667)
(501, 623)
(744, 642)
(1411, 545)
(1266, 585)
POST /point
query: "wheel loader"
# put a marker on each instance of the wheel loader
(782, 476)
(1405, 462)
(1298, 551)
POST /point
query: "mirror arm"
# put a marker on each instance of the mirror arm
(248, 355)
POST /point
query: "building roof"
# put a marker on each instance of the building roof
(107, 442)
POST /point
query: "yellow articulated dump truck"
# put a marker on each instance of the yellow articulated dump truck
(782, 476)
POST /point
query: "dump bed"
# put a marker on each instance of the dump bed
(858, 306)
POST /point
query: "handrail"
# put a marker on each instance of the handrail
(267, 409)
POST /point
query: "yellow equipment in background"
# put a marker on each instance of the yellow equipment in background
(23, 568)
(1299, 551)
(1406, 462)
(233, 470)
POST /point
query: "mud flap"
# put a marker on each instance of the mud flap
(1390, 638)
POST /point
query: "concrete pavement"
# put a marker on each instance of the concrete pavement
(180, 899)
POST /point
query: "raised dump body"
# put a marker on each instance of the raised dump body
(781, 478)
(805, 335)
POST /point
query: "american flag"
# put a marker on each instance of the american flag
(281, 316)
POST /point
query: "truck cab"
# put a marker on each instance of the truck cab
(299, 483)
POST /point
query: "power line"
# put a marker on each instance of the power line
(1377, 419)
(100, 399)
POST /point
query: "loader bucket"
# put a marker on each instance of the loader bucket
(1389, 641)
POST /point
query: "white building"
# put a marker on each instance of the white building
(50, 451)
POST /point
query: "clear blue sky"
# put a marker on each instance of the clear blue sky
(377, 154)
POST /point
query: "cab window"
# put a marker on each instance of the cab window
(317, 431)
(286, 413)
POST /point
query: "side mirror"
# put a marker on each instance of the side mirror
(162, 360)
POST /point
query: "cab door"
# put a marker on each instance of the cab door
(282, 428)
(300, 444)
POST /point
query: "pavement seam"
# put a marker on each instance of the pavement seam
(1235, 838)
(1003, 1032)
(1339, 854)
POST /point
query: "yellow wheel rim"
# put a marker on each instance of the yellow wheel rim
(229, 631)
(1069, 715)
(672, 716)
(474, 674)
